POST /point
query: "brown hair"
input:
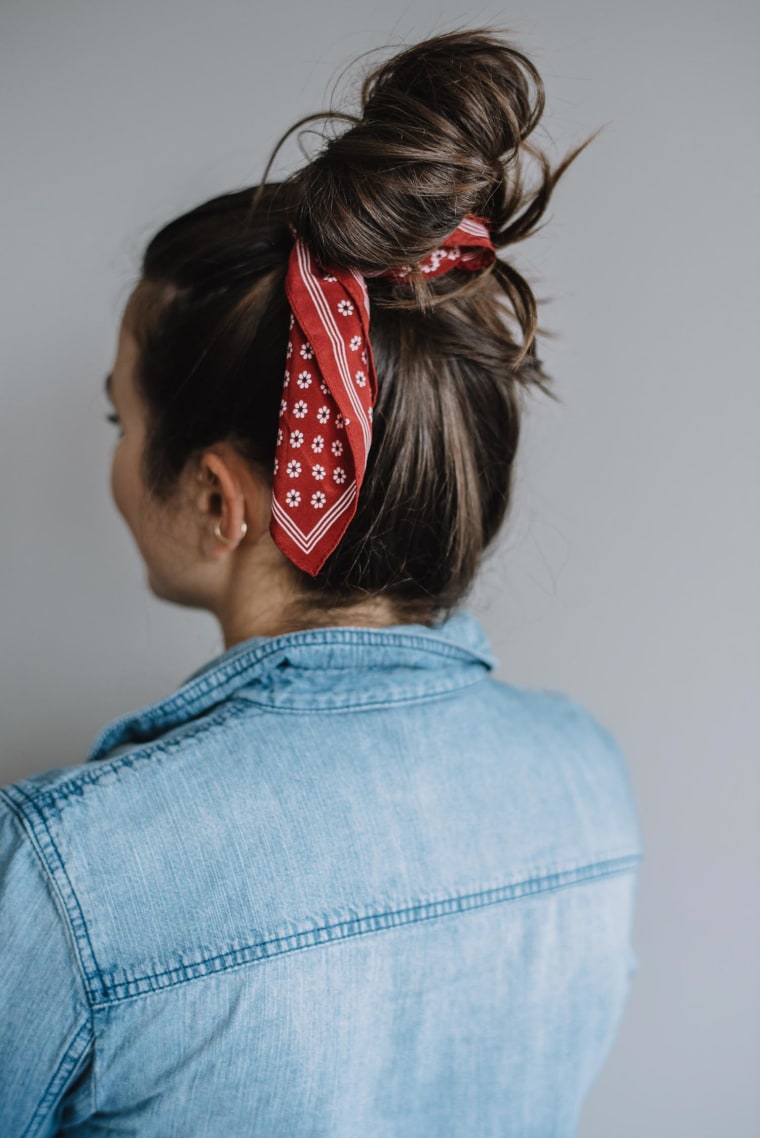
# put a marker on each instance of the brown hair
(441, 133)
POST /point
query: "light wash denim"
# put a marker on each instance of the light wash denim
(342, 882)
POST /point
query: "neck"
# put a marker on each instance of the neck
(260, 600)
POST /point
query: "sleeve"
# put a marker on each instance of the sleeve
(45, 1023)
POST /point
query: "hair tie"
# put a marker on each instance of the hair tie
(329, 392)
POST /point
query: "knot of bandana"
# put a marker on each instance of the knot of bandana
(329, 392)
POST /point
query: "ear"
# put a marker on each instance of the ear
(221, 501)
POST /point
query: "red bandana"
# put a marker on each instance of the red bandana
(329, 392)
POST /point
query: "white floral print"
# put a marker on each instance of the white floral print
(433, 261)
(306, 378)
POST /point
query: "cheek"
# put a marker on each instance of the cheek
(117, 479)
(152, 532)
(125, 489)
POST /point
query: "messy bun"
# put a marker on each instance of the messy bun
(440, 126)
(441, 132)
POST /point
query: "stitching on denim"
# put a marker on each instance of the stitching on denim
(96, 771)
(56, 872)
(320, 709)
(361, 926)
(68, 1063)
(70, 1059)
(440, 647)
(234, 706)
(219, 676)
(216, 678)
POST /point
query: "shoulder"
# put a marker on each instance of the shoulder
(553, 716)
(573, 755)
(558, 717)
(45, 1030)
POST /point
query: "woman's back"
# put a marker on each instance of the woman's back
(342, 882)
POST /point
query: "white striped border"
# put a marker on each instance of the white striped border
(306, 542)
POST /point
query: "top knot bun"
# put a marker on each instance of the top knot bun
(441, 124)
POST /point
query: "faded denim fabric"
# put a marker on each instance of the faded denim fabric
(343, 882)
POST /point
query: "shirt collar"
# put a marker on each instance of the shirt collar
(457, 639)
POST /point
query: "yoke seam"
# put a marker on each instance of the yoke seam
(342, 930)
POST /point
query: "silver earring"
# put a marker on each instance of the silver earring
(229, 540)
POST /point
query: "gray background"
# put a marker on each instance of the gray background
(628, 573)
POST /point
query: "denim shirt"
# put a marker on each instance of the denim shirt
(342, 882)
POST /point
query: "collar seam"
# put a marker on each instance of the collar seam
(216, 678)
(231, 669)
(420, 696)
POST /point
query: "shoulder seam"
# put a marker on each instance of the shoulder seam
(84, 1038)
(41, 841)
(89, 774)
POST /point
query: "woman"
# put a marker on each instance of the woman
(343, 881)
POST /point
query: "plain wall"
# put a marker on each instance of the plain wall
(627, 573)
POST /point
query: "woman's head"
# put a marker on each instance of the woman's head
(175, 534)
(440, 133)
